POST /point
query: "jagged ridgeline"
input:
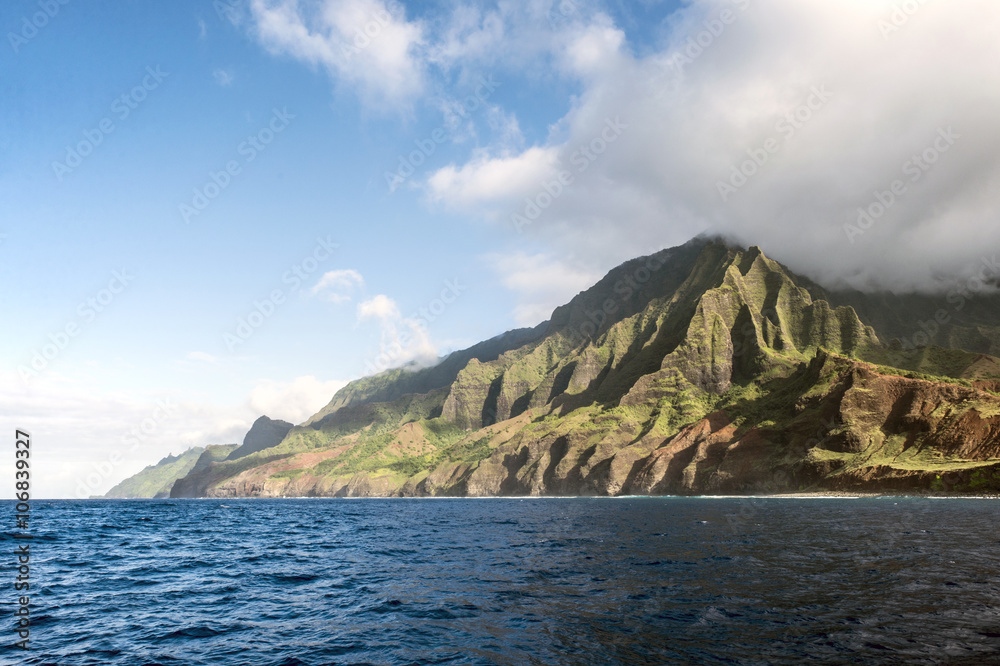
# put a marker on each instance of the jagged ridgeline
(704, 368)
(155, 481)
(181, 476)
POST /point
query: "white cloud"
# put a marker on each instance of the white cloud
(651, 130)
(366, 43)
(380, 307)
(648, 140)
(403, 340)
(509, 35)
(338, 286)
(541, 283)
(293, 401)
(595, 50)
(489, 179)
(470, 33)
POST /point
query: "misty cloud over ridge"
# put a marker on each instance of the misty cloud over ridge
(771, 122)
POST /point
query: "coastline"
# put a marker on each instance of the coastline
(798, 495)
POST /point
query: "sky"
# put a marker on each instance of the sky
(218, 210)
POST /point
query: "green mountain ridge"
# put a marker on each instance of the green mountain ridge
(158, 480)
(187, 486)
(705, 368)
(263, 434)
(155, 481)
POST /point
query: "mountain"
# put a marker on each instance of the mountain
(700, 369)
(156, 480)
(393, 384)
(263, 434)
(189, 486)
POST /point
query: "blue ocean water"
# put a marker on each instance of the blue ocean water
(510, 581)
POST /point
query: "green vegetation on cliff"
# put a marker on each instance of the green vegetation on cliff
(156, 480)
(704, 368)
(189, 486)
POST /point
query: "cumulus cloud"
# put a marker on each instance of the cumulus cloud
(380, 307)
(486, 179)
(783, 123)
(339, 285)
(366, 43)
(294, 401)
(774, 122)
(595, 51)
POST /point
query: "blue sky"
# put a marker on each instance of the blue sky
(311, 117)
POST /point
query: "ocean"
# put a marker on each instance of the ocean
(508, 581)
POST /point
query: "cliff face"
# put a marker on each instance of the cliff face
(196, 481)
(264, 433)
(700, 369)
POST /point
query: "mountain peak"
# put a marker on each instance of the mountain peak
(263, 434)
(707, 367)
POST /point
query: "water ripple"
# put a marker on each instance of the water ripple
(521, 581)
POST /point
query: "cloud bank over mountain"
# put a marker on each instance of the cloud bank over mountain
(856, 140)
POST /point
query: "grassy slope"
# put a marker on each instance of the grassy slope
(156, 479)
(714, 329)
